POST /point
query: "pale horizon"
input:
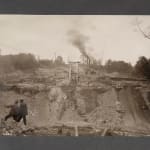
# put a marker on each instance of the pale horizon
(109, 37)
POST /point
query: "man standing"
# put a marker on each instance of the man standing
(23, 111)
(14, 111)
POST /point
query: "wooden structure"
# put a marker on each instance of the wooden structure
(74, 71)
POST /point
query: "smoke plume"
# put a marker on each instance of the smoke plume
(78, 40)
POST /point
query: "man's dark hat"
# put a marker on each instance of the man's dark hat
(21, 100)
(16, 101)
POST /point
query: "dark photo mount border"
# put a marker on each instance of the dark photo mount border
(75, 7)
(74, 143)
(136, 7)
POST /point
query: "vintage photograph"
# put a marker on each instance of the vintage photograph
(75, 75)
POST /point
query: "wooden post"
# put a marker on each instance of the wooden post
(70, 71)
(104, 132)
(77, 72)
(76, 131)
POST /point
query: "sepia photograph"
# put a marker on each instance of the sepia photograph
(75, 75)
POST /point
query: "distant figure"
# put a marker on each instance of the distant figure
(14, 111)
(23, 111)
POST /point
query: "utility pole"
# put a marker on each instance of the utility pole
(54, 67)
(54, 56)
(38, 57)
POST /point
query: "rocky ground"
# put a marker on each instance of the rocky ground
(96, 105)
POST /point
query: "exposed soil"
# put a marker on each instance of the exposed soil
(96, 102)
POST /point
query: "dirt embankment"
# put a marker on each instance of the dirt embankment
(99, 103)
(110, 107)
(136, 111)
(102, 107)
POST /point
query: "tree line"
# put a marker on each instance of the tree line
(25, 62)
(140, 69)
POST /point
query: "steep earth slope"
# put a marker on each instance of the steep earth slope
(97, 102)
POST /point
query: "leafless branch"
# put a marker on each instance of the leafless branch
(140, 29)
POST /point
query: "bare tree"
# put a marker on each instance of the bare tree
(146, 35)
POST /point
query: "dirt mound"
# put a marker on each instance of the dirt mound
(107, 113)
(120, 108)
(133, 102)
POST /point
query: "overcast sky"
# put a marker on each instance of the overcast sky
(109, 37)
